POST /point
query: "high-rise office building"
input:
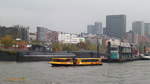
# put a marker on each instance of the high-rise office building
(98, 28)
(24, 32)
(116, 25)
(104, 31)
(147, 29)
(95, 29)
(91, 29)
(42, 34)
(138, 27)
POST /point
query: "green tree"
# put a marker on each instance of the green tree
(36, 42)
(70, 47)
(82, 45)
(7, 41)
(56, 47)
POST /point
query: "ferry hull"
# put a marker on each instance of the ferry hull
(76, 64)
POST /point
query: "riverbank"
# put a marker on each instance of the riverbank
(8, 55)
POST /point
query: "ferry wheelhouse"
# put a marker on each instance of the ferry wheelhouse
(76, 59)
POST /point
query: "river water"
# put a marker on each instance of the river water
(137, 72)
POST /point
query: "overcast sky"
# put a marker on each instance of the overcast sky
(70, 15)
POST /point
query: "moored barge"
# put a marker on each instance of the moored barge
(121, 51)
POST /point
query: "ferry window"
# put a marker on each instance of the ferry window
(113, 48)
(61, 60)
(126, 50)
(90, 60)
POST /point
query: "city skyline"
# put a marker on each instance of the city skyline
(70, 15)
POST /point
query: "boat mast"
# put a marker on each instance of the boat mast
(97, 46)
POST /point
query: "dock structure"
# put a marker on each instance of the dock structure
(121, 52)
(40, 56)
(46, 56)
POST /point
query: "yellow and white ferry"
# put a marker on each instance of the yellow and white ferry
(80, 59)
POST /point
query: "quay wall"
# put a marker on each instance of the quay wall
(21, 56)
(8, 56)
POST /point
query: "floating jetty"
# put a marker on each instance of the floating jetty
(28, 56)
